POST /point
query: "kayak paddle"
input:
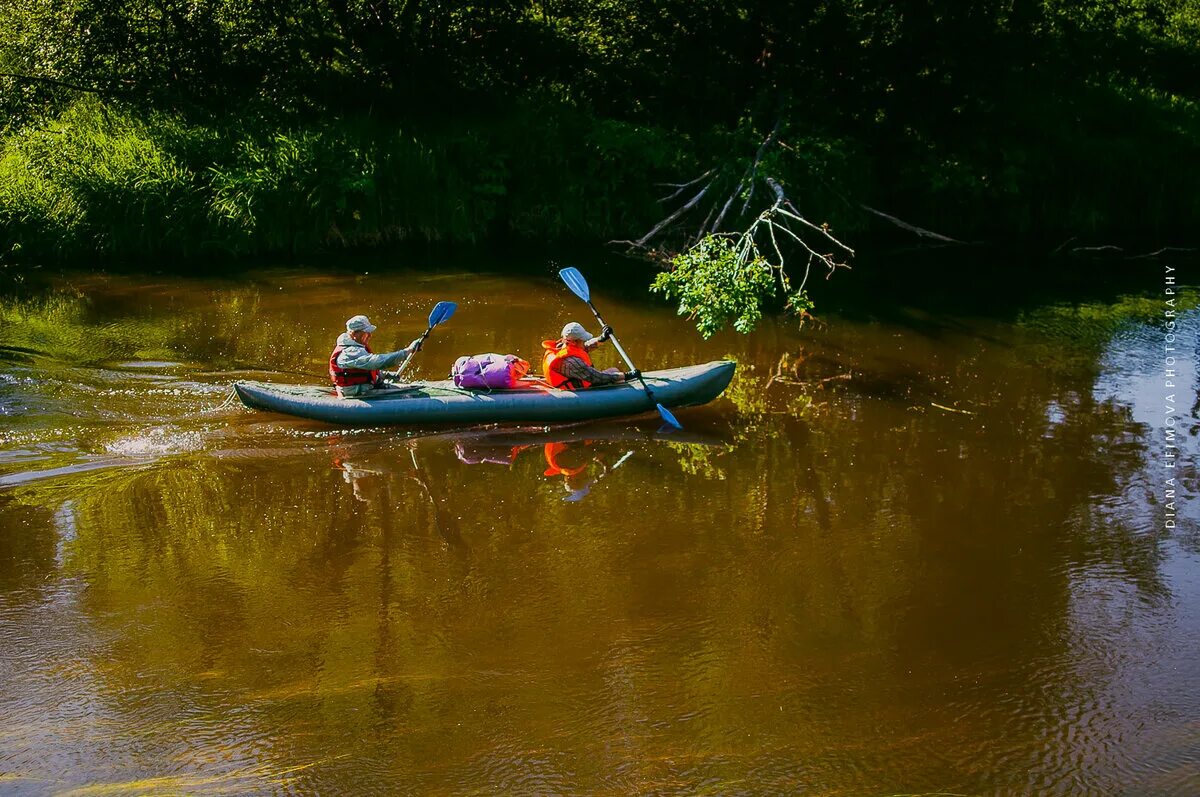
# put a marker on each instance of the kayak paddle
(579, 287)
(441, 312)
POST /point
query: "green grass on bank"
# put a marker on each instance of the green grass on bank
(103, 181)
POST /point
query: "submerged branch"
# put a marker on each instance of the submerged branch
(786, 380)
(950, 409)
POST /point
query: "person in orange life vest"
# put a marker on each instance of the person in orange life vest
(354, 368)
(567, 362)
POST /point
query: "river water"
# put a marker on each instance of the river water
(924, 546)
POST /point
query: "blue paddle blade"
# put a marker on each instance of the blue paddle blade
(441, 312)
(668, 417)
(576, 283)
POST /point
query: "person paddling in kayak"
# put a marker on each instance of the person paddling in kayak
(568, 363)
(354, 368)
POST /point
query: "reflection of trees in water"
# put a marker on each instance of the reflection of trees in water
(114, 321)
(951, 540)
(262, 583)
(1118, 347)
(27, 544)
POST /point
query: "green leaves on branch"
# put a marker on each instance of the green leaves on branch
(724, 278)
(721, 281)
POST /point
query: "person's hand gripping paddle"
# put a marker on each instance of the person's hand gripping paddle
(441, 313)
(579, 287)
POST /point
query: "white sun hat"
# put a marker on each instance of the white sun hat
(360, 323)
(575, 331)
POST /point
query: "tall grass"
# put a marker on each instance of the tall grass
(101, 181)
(96, 181)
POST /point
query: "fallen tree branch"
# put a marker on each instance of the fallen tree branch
(682, 186)
(725, 276)
(782, 202)
(1063, 245)
(1104, 248)
(703, 226)
(1164, 250)
(762, 148)
(904, 225)
(721, 216)
(1119, 251)
(823, 229)
(641, 242)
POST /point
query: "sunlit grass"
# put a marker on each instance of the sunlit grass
(101, 182)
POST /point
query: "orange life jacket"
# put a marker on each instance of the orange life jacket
(552, 450)
(344, 377)
(556, 352)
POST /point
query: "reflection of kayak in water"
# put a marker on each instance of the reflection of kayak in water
(602, 431)
(442, 402)
(478, 444)
(500, 445)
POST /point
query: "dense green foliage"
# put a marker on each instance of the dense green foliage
(124, 183)
(188, 126)
(714, 286)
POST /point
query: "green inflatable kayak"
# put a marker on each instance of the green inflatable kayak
(443, 403)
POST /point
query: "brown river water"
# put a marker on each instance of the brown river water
(924, 547)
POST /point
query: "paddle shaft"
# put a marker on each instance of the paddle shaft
(404, 364)
(621, 351)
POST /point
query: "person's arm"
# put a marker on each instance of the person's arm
(576, 369)
(359, 357)
(604, 335)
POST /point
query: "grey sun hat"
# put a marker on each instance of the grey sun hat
(360, 323)
(575, 331)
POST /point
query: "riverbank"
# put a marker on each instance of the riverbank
(101, 183)
(228, 130)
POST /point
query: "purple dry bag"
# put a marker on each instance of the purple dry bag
(489, 371)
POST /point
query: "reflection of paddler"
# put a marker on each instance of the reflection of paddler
(478, 455)
(573, 474)
(556, 467)
(572, 467)
(365, 489)
(354, 475)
